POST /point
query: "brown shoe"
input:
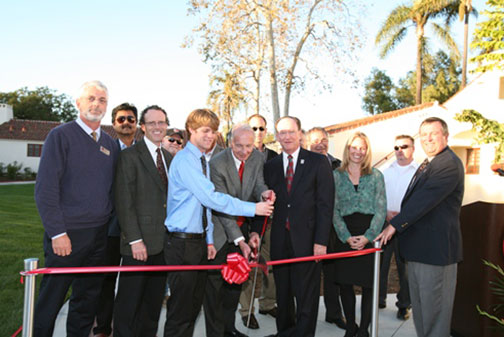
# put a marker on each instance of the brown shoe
(272, 312)
(253, 324)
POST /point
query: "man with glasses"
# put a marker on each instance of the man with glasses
(397, 178)
(124, 118)
(173, 142)
(141, 187)
(258, 125)
(73, 197)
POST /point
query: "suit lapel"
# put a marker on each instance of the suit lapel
(233, 172)
(148, 163)
(248, 181)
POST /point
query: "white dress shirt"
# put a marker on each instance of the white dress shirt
(397, 179)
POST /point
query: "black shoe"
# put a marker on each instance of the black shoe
(382, 305)
(339, 321)
(351, 332)
(253, 324)
(234, 333)
(271, 312)
(403, 314)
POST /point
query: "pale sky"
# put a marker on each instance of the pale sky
(133, 47)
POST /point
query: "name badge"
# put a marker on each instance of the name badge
(104, 151)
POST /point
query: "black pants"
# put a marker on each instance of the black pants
(300, 282)
(331, 288)
(221, 298)
(139, 299)
(88, 249)
(187, 288)
(348, 301)
(403, 297)
(105, 309)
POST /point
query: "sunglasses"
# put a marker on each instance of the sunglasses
(402, 147)
(171, 140)
(122, 119)
(255, 128)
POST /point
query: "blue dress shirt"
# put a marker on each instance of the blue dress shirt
(189, 190)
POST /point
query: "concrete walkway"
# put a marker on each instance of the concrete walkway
(388, 326)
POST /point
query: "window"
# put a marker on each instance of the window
(34, 150)
(473, 161)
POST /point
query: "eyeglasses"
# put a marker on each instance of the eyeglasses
(255, 128)
(171, 140)
(122, 119)
(402, 147)
(154, 123)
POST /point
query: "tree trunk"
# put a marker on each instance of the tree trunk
(464, 56)
(272, 68)
(418, 97)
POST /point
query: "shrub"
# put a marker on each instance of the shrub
(14, 170)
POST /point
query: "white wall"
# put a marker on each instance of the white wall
(6, 113)
(17, 150)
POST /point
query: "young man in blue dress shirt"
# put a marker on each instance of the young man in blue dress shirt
(189, 237)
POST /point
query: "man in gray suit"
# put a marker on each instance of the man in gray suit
(237, 171)
(140, 202)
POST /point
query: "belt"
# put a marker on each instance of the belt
(182, 235)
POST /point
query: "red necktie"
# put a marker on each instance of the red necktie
(161, 168)
(289, 176)
(241, 219)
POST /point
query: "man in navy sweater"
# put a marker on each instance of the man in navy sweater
(73, 196)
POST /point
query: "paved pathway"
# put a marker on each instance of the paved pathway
(388, 326)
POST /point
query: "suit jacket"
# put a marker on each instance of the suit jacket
(309, 205)
(335, 162)
(428, 224)
(270, 154)
(140, 198)
(224, 175)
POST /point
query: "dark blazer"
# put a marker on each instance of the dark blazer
(140, 198)
(309, 205)
(428, 224)
(270, 154)
(224, 175)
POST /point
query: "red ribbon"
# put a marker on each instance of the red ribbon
(236, 270)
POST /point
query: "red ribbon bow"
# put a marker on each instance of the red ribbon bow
(236, 270)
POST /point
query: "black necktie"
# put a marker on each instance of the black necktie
(161, 168)
(204, 219)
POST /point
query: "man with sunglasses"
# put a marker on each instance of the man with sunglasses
(397, 178)
(124, 117)
(141, 187)
(173, 142)
(258, 125)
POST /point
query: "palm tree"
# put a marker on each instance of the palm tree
(418, 14)
(465, 8)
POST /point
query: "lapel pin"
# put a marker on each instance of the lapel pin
(302, 161)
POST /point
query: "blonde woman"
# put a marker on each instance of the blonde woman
(359, 215)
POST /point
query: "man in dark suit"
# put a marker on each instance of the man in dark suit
(317, 140)
(140, 200)
(429, 231)
(124, 118)
(237, 171)
(304, 188)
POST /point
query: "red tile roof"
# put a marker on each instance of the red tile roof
(376, 118)
(23, 129)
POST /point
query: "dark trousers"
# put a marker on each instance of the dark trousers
(187, 288)
(139, 299)
(403, 296)
(88, 249)
(348, 301)
(331, 288)
(299, 282)
(105, 309)
(221, 298)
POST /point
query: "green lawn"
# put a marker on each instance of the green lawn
(21, 234)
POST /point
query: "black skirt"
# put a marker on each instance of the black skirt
(355, 270)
